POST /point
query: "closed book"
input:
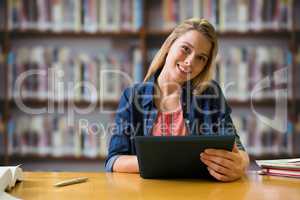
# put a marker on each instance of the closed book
(281, 172)
(287, 164)
(280, 167)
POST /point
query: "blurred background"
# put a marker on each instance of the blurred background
(58, 83)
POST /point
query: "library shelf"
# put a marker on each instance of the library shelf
(147, 38)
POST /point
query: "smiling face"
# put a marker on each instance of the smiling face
(187, 57)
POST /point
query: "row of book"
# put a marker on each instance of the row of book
(243, 72)
(226, 15)
(76, 15)
(256, 72)
(263, 135)
(61, 73)
(54, 135)
(115, 15)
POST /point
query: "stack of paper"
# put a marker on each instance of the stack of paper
(280, 167)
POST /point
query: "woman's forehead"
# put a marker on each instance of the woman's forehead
(196, 40)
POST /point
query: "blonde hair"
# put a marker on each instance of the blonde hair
(202, 26)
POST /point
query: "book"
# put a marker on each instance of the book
(9, 175)
(278, 172)
(288, 164)
(280, 167)
(73, 15)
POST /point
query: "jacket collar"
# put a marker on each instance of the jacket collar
(148, 88)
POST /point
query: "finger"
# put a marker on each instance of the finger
(229, 164)
(217, 175)
(220, 153)
(235, 148)
(216, 167)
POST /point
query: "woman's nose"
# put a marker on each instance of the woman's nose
(188, 61)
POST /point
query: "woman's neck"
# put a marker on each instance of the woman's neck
(167, 86)
(167, 94)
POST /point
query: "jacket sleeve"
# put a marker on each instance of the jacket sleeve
(120, 140)
(229, 128)
(226, 123)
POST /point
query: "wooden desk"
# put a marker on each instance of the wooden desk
(38, 185)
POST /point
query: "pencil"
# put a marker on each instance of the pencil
(71, 181)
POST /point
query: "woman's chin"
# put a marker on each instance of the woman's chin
(180, 79)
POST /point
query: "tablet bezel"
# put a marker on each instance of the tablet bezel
(177, 156)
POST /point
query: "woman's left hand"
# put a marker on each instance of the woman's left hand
(225, 165)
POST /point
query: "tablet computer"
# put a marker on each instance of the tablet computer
(177, 156)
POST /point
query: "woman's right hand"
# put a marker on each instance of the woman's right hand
(127, 164)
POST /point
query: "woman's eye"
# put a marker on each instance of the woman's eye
(202, 58)
(185, 49)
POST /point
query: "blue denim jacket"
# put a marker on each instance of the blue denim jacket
(207, 113)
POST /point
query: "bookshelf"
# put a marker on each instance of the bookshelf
(149, 24)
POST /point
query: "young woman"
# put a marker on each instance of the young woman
(178, 97)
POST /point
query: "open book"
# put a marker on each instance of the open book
(9, 175)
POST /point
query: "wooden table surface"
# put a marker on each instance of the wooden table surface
(39, 185)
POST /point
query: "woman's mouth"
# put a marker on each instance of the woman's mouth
(182, 69)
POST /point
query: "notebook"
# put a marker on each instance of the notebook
(177, 156)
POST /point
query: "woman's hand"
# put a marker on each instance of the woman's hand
(127, 164)
(225, 165)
